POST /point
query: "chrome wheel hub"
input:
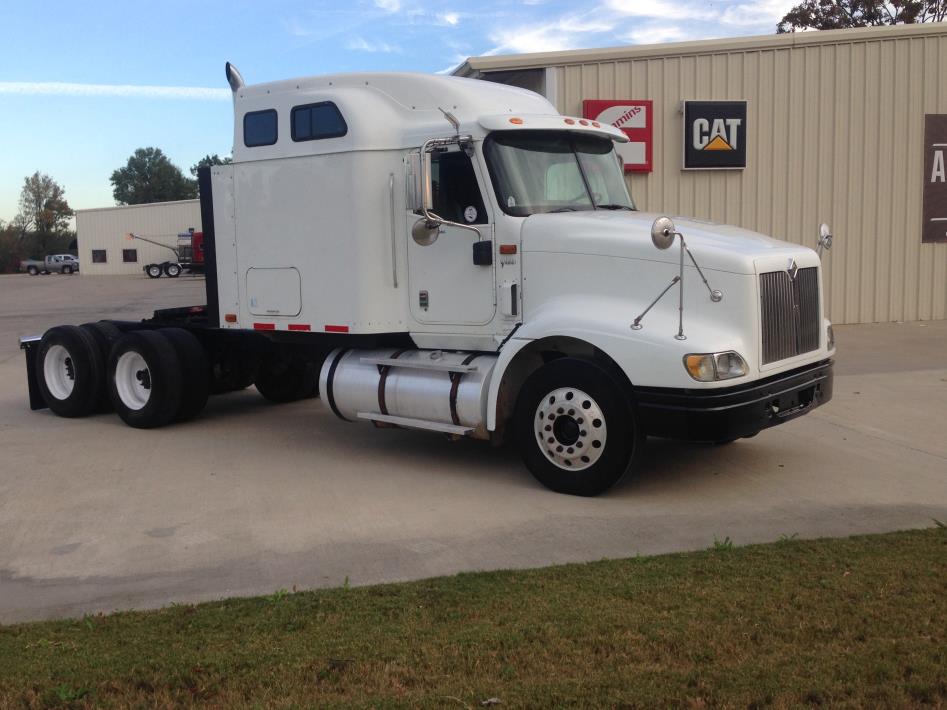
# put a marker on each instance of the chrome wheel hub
(570, 428)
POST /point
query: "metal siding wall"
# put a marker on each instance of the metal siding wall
(106, 229)
(835, 135)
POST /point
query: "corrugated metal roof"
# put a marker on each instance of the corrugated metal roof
(475, 65)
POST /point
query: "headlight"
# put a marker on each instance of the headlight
(830, 337)
(709, 367)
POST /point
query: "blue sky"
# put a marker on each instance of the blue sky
(83, 84)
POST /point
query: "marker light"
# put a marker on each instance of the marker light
(710, 367)
(570, 121)
(583, 122)
(516, 121)
(830, 337)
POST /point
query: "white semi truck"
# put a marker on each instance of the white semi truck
(454, 255)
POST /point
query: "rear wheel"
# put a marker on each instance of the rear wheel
(105, 336)
(194, 372)
(172, 270)
(576, 430)
(145, 379)
(283, 379)
(153, 271)
(69, 371)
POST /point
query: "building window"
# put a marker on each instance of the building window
(130, 256)
(259, 128)
(98, 256)
(317, 121)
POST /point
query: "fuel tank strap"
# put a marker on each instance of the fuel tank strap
(383, 371)
(455, 378)
(330, 397)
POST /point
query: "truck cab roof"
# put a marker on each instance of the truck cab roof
(380, 111)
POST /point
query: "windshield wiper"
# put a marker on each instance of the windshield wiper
(614, 207)
(563, 209)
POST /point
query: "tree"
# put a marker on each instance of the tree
(209, 160)
(842, 14)
(149, 176)
(44, 213)
(12, 249)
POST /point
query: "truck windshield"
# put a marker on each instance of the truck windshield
(554, 171)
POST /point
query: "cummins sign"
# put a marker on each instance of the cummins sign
(714, 134)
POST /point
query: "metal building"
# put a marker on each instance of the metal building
(102, 233)
(835, 132)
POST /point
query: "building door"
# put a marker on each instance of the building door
(446, 286)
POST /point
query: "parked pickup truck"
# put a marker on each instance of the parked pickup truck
(54, 263)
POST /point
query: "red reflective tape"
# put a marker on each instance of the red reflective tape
(264, 326)
(337, 329)
(299, 326)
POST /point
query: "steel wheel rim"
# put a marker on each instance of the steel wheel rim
(133, 380)
(154, 271)
(174, 270)
(59, 372)
(570, 429)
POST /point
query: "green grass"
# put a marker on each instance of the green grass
(854, 622)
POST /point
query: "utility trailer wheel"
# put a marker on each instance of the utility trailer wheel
(172, 270)
(32, 270)
(69, 371)
(153, 271)
(282, 379)
(576, 430)
(105, 336)
(145, 379)
(194, 372)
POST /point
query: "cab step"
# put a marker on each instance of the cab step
(409, 423)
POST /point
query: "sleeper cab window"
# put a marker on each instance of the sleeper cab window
(317, 121)
(259, 128)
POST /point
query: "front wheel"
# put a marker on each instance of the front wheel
(67, 270)
(576, 430)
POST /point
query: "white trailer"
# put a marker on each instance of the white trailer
(454, 255)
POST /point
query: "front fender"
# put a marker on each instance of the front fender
(650, 357)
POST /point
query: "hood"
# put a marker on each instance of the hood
(626, 234)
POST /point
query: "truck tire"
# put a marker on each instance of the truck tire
(231, 372)
(153, 271)
(67, 270)
(105, 336)
(69, 371)
(32, 270)
(194, 372)
(145, 379)
(172, 270)
(575, 428)
(282, 379)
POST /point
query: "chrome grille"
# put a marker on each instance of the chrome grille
(791, 313)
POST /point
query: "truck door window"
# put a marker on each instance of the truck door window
(456, 193)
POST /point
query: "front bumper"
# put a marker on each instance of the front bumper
(729, 413)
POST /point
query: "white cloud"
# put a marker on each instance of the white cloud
(388, 5)
(765, 12)
(55, 88)
(449, 18)
(656, 35)
(661, 9)
(360, 44)
(564, 33)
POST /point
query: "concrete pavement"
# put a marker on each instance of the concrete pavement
(252, 497)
